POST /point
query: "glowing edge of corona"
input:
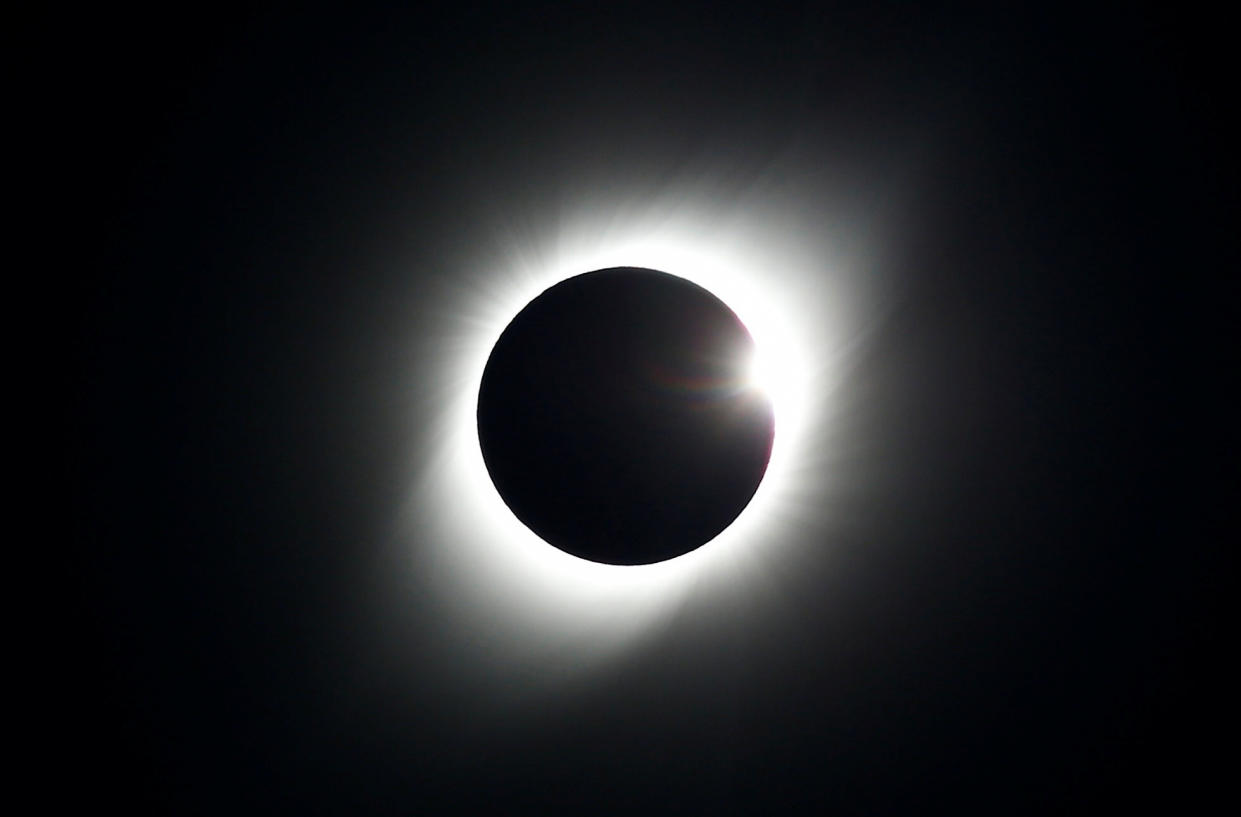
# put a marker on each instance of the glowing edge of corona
(495, 576)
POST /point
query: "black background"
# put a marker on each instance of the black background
(1025, 613)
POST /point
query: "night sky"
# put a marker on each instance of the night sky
(1001, 589)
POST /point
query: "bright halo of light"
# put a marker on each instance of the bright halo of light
(796, 292)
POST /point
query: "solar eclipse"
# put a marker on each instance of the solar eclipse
(957, 280)
(806, 290)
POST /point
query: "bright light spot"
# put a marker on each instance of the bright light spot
(759, 374)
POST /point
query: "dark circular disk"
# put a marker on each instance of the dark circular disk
(615, 420)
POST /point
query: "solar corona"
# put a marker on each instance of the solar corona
(553, 542)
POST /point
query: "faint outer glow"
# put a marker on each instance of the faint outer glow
(518, 598)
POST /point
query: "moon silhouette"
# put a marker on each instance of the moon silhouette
(616, 418)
